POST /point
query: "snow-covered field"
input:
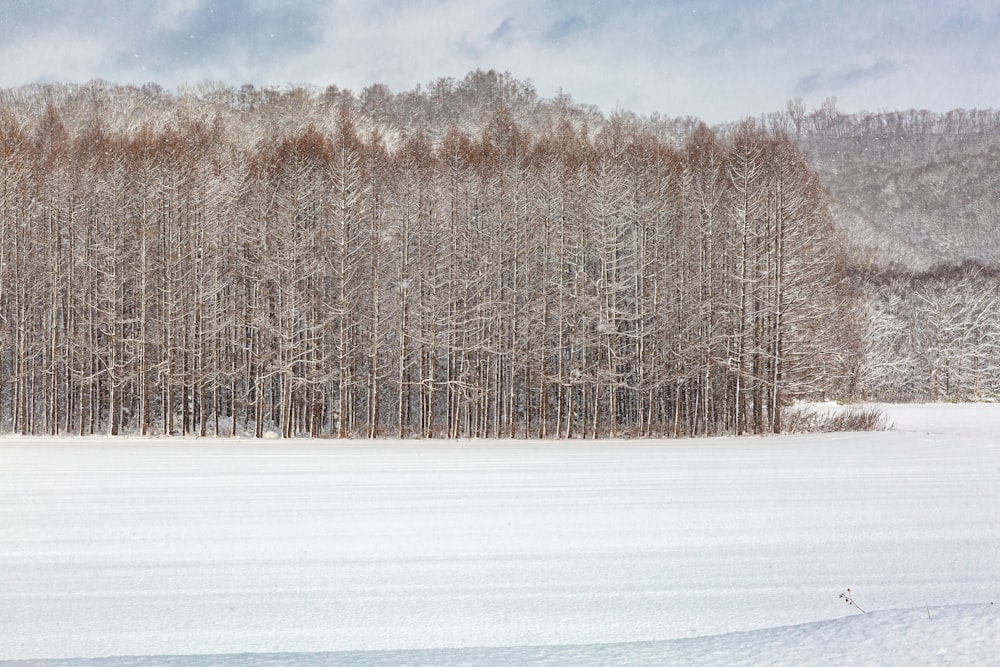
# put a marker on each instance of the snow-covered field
(718, 551)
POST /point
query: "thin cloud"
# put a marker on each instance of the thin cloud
(566, 30)
(845, 79)
(172, 13)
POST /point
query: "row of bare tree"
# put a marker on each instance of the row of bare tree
(199, 277)
(932, 336)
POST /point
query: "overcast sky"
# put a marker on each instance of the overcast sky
(719, 60)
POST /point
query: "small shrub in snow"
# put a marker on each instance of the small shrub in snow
(805, 419)
(858, 419)
(847, 597)
(800, 420)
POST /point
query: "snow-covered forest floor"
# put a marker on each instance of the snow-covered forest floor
(713, 551)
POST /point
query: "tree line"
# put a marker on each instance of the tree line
(247, 274)
(931, 336)
(915, 204)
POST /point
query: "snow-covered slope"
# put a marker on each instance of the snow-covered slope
(580, 552)
(959, 635)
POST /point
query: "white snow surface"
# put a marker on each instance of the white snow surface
(707, 551)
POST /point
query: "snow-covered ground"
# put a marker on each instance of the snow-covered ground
(717, 551)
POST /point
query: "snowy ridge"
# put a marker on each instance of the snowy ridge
(959, 634)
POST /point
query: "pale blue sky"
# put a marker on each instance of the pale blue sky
(719, 60)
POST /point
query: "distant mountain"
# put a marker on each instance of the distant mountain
(912, 190)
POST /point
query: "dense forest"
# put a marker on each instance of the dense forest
(299, 262)
(912, 191)
(915, 205)
(465, 260)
